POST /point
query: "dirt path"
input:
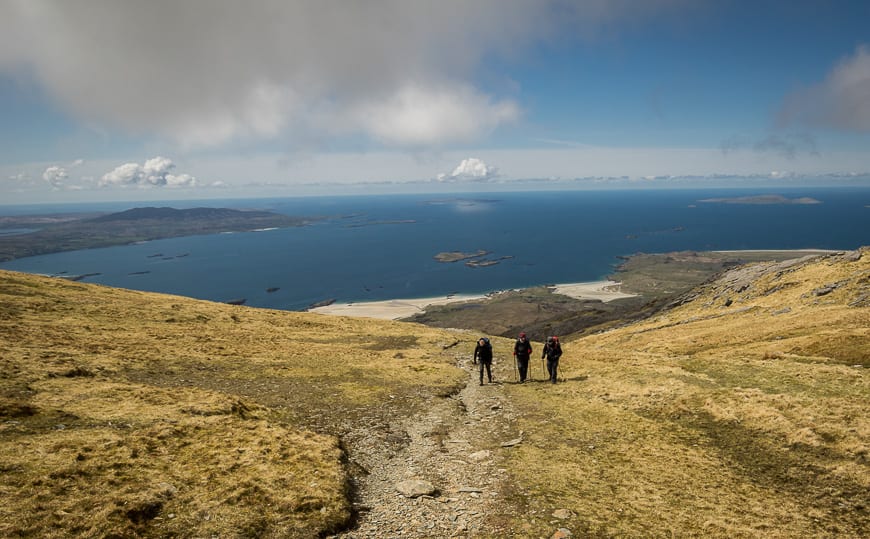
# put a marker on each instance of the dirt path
(453, 445)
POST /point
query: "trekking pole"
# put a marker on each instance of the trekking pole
(516, 371)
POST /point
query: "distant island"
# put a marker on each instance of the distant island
(461, 201)
(70, 233)
(763, 199)
(485, 262)
(387, 222)
(472, 260)
(456, 256)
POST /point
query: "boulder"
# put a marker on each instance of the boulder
(414, 488)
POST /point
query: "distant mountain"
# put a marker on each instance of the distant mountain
(135, 225)
(166, 213)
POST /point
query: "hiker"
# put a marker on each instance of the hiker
(522, 351)
(552, 351)
(483, 352)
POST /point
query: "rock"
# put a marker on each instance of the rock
(413, 488)
(511, 443)
(480, 456)
(470, 489)
(561, 533)
(824, 291)
(562, 514)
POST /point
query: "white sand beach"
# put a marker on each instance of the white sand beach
(601, 290)
(394, 309)
(391, 309)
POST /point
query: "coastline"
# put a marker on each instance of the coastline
(395, 309)
(392, 309)
(821, 251)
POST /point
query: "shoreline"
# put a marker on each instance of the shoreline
(825, 251)
(392, 309)
(395, 309)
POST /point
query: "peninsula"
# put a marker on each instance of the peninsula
(87, 231)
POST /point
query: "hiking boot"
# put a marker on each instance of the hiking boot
(481, 382)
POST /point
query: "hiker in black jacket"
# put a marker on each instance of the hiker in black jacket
(483, 353)
(522, 351)
(552, 351)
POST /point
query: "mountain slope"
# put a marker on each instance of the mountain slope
(741, 412)
(136, 414)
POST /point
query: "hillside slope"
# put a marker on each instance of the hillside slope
(740, 412)
(126, 413)
(744, 411)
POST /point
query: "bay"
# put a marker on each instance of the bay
(369, 248)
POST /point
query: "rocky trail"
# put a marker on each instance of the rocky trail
(435, 475)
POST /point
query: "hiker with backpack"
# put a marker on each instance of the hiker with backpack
(552, 351)
(483, 353)
(522, 351)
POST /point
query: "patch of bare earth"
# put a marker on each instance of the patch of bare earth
(454, 445)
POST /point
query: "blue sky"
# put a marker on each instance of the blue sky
(105, 100)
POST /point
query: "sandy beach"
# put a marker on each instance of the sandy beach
(601, 290)
(395, 309)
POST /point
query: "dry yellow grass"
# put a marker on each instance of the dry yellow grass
(741, 413)
(745, 420)
(133, 414)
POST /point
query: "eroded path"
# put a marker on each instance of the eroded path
(454, 445)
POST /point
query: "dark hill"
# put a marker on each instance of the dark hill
(166, 213)
(136, 225)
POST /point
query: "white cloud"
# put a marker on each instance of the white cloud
(200, 74)
(841, 101)
(55, 176)
(155, 172)
(423, 116)
(471, 169)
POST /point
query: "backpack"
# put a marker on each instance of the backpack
(523, 347)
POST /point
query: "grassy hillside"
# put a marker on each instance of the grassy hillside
(126, 413)
(744, 412)
(741, 412)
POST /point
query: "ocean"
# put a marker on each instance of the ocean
(368, 248)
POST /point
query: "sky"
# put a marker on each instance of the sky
(122, 100)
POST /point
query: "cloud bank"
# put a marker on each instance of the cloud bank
(841, 101)
(204, 73)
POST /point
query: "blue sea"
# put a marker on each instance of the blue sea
(366, 248)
